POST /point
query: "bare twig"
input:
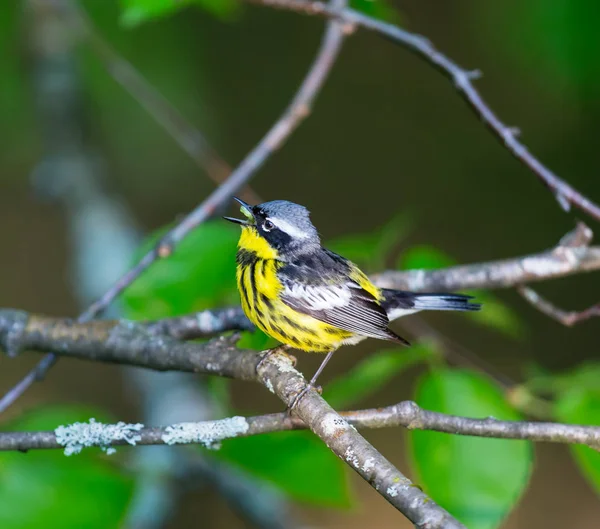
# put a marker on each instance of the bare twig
(565, 194)
(582, 235)
(296, 112)
(406, 414)
(568, 318)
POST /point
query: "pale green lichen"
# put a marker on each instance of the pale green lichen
(352, 458)
(269, 385)
(208, 433)
(283, 363)
(369, 464)
(392, 492)
(75, 437)
(333, 425)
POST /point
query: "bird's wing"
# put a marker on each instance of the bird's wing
(331, 292)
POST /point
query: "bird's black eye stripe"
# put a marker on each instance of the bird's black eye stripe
(268, 225)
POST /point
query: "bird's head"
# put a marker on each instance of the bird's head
(276, 230)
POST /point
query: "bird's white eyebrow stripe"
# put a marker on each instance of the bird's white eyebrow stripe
(288, 228)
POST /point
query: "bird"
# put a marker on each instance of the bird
(309, 298)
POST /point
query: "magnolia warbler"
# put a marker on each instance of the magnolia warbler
(308, 297)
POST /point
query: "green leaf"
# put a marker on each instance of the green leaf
(370, 250)
(424, 257)
(135, 12)
(200, 274)
(478, 480)
(380, 9)
(298, 463)
(372, 374)
(46, 488)
(582, 406)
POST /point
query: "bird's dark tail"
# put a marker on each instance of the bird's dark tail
(397, 301)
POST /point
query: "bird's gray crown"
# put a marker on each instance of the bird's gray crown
(291, 218)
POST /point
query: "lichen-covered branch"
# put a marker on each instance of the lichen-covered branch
(565, 194)
(276, 372)
(132, 344)
(406, 414)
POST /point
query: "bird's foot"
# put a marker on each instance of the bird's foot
(297, 398)
(269, 352)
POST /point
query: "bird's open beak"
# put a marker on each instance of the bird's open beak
(246, 209)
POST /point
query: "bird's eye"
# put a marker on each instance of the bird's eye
(268, 225)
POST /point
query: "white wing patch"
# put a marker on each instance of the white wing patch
(319, 297)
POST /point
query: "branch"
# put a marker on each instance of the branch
(202, 324)
(565, 194)
(407, 414)
(561, 261)
(130, 343)
(567, 318)
(296, 112)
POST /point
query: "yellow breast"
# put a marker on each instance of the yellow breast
(259, 289)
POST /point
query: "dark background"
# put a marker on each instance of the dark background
(388, 133)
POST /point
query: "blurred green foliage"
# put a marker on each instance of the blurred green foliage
(476, 479)
(299, 464)
(135, 12)
(138, 11)
(372, 374)
(47, 489)
(371, 250)
(200, 274)
(560, 39)
(580, 405)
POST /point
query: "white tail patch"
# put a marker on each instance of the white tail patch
(394, 314)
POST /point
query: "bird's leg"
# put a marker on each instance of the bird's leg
(321, 367)
(313, 380)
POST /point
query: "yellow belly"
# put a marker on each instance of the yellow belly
(263, 308)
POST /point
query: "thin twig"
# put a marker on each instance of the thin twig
(406, 414)
(296, 112)
(567, 318)
(565, 194)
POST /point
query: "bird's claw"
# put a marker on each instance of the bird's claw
(299, 396)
